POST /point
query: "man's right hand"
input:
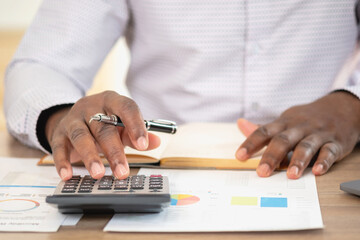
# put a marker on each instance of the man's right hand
(72, 138)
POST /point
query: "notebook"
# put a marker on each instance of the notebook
(195, 145)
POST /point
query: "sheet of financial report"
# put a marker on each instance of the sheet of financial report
(217, 201)
(23, 189)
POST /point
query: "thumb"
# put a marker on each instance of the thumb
(246, 127)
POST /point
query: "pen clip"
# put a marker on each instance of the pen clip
(164, 122)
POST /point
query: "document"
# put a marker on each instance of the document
(25, 209)
(23, 189)
(220, 201)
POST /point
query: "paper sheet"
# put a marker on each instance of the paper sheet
(23, 189)
(71, 220)
(216, 201)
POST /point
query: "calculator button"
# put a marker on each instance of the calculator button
(73, 181)
(86, 184)
(104, 186)
(155, 176)
(121, 187)
(121, 184)
(68, 190)
(138, 177)
(105, 181)
(156, 186)
(76, 177)
(107, 178)
(137, 186)
(71, 184)
(156, 181)
(89, 180)
(85, 190)
(121, 181)
(88, 177)
(137, 183)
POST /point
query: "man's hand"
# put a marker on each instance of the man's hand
(329, 127)
(72, 138)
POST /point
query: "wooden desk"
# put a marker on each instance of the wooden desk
(340, 211)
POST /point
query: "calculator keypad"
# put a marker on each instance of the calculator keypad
(87, 184)
(71, 185)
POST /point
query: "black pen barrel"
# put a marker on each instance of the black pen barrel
(159, 127)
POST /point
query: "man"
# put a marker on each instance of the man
(273, 63)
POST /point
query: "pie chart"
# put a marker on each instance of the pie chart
(18, 205)
(183, 199)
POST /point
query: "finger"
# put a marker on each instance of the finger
(108, 138)
(130, 115)
(278, 148)
(120, 166)
(258, 139)
(76, 158)
(154, 140)
(84, 143)
(304, 151)
(329, 154)
(246, 127)
(61, 158)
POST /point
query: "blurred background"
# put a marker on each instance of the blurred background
(16, 16)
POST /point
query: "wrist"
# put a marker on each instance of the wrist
(350, 103)
(47, 121)
(53, 121)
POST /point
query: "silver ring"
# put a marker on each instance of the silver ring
(96, 117)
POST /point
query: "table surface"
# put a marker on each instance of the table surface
(340, 211)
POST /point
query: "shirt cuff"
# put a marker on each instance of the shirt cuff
(41, 125)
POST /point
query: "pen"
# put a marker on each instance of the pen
(158, 125)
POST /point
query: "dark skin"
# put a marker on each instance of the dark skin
(72, 138)
(329, 126)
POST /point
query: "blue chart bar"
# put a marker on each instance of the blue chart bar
(25, 186)
(273, 202)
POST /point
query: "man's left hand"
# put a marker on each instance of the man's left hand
(328, 128)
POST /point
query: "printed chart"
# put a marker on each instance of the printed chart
(18, 205)
(281, 202)
(183, 199)
(221, 201)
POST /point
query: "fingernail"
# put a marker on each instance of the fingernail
(142, 143)
(319, 168)
(241, 154)
(120, 171)
(63, 173)
(293, 171)
(264, 170)
(96, 169)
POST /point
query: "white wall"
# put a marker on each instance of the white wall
(17, 14)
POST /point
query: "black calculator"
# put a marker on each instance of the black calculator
(136, 193)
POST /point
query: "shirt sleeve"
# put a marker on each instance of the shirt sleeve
(57, 59)
(353, 85)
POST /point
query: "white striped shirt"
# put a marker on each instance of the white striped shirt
(191, 60)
